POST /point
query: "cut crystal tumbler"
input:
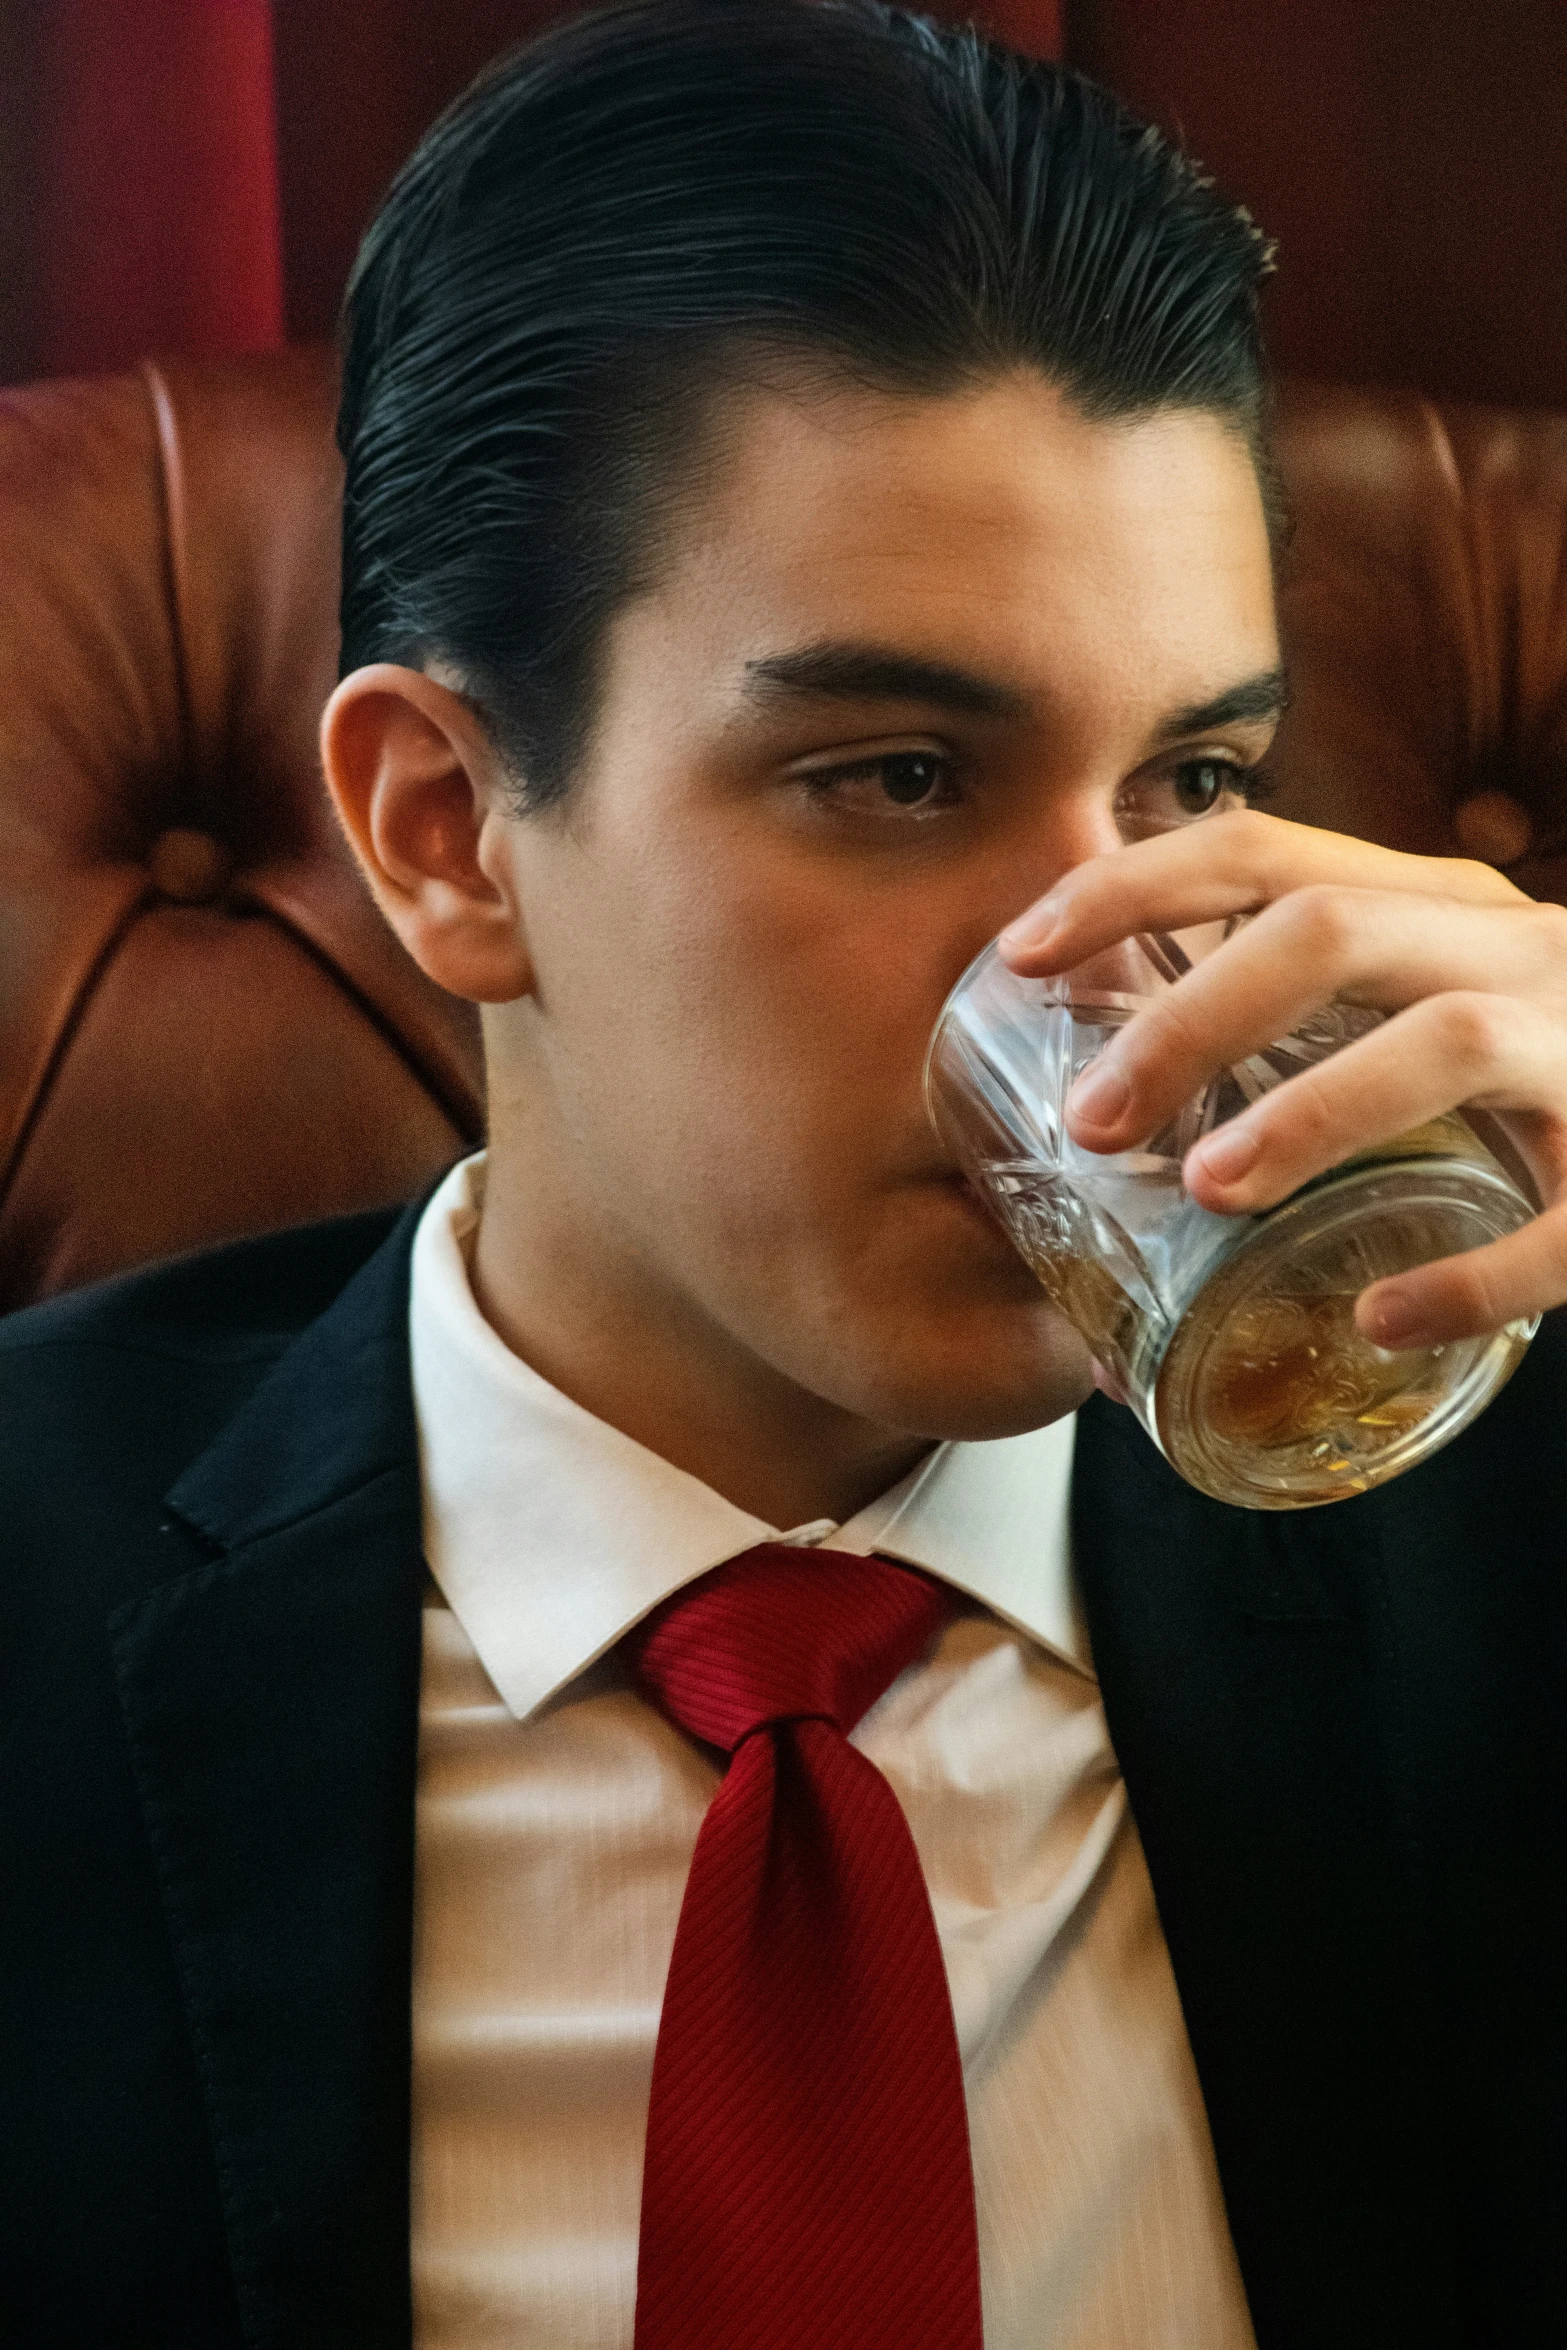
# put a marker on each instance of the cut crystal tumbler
(1232, 1337)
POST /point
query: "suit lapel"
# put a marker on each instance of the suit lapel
(1243, 1679)
(271, 1697)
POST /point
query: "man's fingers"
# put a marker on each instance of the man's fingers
(1444, 1050)
(1509, 1280)
(1358, 946)
(1472, 972)
(1226, 865)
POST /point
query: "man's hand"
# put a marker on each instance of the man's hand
(1472, 972)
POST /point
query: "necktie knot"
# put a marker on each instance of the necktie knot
(783, 1634)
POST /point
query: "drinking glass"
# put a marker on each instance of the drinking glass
(1232, 1337)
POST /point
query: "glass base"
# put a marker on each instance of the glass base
(1266, 1394)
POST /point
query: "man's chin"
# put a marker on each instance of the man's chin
(982, 1419)
(978, 1393)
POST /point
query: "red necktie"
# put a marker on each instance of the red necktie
(807, 2184)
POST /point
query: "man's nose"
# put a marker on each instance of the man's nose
(1062, 836)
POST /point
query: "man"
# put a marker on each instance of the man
(803, 518)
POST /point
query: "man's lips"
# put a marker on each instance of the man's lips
(939, 1171)
(961, 1191)
(953, 1180)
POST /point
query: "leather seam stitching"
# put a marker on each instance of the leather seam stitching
(459, 1113)
(92, 979)
(171, 506)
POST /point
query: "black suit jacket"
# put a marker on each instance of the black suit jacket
(1341, 1733)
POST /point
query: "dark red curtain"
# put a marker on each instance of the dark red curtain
(1410, 156)
(358, 80)
(194, 175)
(140, 181)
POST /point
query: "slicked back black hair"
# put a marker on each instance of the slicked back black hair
(643, 207)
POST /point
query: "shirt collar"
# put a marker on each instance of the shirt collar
(551, 1533)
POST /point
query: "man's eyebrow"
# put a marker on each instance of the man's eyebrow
(878, 673)
(1265, 696)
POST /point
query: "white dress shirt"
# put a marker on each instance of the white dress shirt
(557, 1815)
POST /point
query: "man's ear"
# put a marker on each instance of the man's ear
(421, 794)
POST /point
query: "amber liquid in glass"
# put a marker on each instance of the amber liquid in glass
(1280, 1368)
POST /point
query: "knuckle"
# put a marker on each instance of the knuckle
(1477, 1031)
(1325, 921)
(1549, 923)
(1469, 877)
(1313, 1111)
(1171, 1039)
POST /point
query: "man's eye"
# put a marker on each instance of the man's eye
(911, 777)
(914, 782)
(1182, 794)
(1200, 784)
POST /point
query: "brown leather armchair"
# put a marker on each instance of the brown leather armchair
(205, 1029)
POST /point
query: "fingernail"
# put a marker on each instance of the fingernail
(1229, 1154)
(1100, 1095)
(1032, 930)
(1394, 1320)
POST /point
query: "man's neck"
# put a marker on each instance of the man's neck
(663, 1374)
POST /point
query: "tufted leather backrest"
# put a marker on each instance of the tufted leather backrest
(1424, 612)
(206, 1029)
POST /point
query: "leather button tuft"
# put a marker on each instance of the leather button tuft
(1494, 827)
(189, 867)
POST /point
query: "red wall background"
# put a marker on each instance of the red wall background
(415, 55)
(1410, 156)
(194, 174)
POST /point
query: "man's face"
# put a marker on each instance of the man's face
(903, 663)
